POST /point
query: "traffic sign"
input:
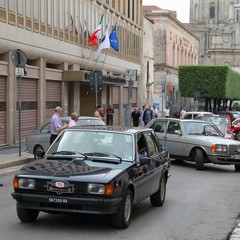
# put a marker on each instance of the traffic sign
(19, 58)
(163, 87)
(131, 74)
(19, 72)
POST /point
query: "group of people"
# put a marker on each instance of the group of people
(57, 125)
(100, 114)
(143, 116)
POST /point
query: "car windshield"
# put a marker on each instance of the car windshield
(93, 143)
(201, 128)
(221, 121)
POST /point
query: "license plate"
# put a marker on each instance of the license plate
(58, 200)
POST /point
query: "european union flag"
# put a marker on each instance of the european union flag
(113, 39)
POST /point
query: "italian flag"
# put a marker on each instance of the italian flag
(93, 40)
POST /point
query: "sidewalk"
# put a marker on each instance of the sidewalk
(9, 157)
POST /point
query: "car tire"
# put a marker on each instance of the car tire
(237, 168)
(38, 152)
(27, 215)
(199, 159)
(237, 136)
(158, 198)
(121, 219)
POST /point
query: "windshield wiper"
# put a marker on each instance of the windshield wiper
(68, 153)
(100, 154)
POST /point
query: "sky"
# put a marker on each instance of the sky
(180, 6)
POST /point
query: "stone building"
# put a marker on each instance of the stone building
(174, 45)
(217, 24)
(54, 36)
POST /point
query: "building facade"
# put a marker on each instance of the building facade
(217, 24)
(174, 45)
(54, 36)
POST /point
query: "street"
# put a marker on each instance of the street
(200, 205)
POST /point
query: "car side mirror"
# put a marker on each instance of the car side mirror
(178, 132)
(145, 160)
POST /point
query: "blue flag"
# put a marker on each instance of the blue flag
(113, 39)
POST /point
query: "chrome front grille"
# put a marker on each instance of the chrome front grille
(234, 150)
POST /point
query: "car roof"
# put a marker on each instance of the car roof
(121, 129)
(81, 117)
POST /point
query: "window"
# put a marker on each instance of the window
(42, 11)
(172, 127)
(20, 7)
(212, 12)
(2, 3)
(28, 8)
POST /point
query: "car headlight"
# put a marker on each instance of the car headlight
(24, 183)
(218, 148)
(100, 189)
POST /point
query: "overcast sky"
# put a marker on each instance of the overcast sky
(180, 6)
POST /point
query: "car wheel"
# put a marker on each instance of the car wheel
(158, 198)
(199, 159)
(121, 219)
(237, 136)
(237, 168)
(27, 215)
(38, 152)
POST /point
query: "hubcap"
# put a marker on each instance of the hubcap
(128, 208)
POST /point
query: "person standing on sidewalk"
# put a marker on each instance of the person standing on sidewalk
(56, 124)
(110, 112)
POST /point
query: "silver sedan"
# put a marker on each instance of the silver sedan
(39, 141)
(198, 141)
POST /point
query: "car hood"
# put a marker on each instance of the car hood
(79, 170)
(213, 139)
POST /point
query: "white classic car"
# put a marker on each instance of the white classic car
(195, 140)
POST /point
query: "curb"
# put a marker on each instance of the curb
(15, 163)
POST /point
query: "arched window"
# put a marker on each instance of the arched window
(212, 11)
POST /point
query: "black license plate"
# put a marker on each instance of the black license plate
(58, 200)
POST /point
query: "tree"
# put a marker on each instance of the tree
(219, 85)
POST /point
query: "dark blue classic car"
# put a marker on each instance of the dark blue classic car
(95, 170)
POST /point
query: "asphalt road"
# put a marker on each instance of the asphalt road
(200, 205)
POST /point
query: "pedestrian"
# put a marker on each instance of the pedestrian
(141, 115)
(100, 113)
(147, 116)
(155, 112)
(136, 117)
(182, 113)
(74, 119)
(96, 113)
(166, 112)
(56, 124)
(110, 112)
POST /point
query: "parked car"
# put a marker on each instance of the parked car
(193, 114)
(197, 141)
(223, 123)
(95, 170)
(39, 140)
(232, 114)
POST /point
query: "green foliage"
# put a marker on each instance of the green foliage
(215, 82)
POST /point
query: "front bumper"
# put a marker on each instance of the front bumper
(225, 159)
(67, 204)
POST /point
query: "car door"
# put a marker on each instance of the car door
(173, 138)
(160, 126)
(149, 176)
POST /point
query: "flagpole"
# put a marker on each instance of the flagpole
(96, 63)
(88, 60)
(104, 59)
